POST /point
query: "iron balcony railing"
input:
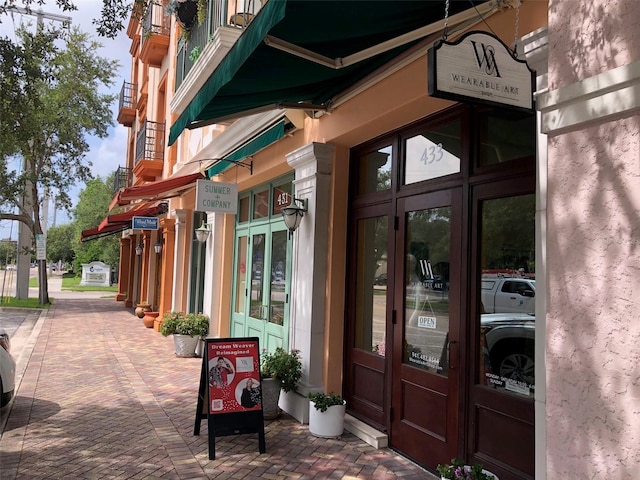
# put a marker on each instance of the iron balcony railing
(228, 13)
(156, 21)
(150, 141)
(123, 179)
(128, 95)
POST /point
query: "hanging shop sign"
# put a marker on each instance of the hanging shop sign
(216, 197)
(230, 393)
(144, 223)
(480, 68)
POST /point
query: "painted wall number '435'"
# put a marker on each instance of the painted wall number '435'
(431, 154)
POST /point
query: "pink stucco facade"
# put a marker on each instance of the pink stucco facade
(593, 245)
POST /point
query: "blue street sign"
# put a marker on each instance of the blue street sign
(144, 223)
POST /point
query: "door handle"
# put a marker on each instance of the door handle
(449, 344)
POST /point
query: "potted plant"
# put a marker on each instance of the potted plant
(141, 309)
(187, 329)
(280, 370)
(326, 415)
(457, 470)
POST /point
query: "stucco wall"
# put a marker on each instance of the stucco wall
(593, 245)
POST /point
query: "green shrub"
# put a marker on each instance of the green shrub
(283, 366)
(192, 324)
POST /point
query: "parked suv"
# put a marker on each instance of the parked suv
(510, 341)
(7, 369)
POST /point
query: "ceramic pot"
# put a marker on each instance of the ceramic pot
(185, 345)
(270, 396)
(327, 424)
(141, 310)
(149, 318)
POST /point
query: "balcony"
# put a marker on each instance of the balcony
(156, 30)
(123, 178)
(127, 108)
(234, 14)
(149, 159)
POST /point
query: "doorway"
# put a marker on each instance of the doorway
(262, 266)
(415, 365)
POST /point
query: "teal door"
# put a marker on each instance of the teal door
(260, 304)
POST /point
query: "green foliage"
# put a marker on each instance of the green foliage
(322, 401)
(92, 207)
(192, 324)
(61, 241)
(8, 252)
(283, 366)
(22, 302)
(42, 81)
(458, 471)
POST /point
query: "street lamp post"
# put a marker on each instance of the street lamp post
(202, 234)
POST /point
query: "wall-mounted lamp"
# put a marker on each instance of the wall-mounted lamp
(157, 247)
(203, 232)
(139, 249)
(293, 213)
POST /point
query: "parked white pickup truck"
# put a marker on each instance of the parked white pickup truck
(508, 295)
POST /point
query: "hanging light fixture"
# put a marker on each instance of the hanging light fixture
(139, 248)
(293, 213)
(203, 232)
(157, 247)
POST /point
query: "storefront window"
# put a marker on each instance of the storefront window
(504, 136)
(261, 204)
(433, 154)
(278, 276)
(371, 285)
(375, 171)
(243, 210)
(426, 319)
(508, 289)
(241, 274)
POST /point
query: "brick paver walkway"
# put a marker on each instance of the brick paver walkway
(103, 397)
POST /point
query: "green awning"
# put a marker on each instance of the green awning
(260, 141)
(293, 52)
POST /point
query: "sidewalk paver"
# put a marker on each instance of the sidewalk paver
(103, 397)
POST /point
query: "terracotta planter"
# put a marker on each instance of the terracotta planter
(149, 318)
(141, 309)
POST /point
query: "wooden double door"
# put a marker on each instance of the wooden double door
(442, 378)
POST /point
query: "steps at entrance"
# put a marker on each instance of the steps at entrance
(366, 433)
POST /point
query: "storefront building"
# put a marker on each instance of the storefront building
(452, 275)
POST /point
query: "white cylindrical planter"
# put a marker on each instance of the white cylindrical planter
(327, 424)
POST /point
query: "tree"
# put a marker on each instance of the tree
(92, 207)
(49, 104)
(61, 243)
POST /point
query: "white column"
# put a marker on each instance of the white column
(213, 272)
(312, 164)
(179, 283)
(536, 52)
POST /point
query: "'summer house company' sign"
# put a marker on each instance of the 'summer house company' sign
(216, 197)
(480, 68)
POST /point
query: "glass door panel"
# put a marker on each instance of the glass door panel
(426, 317)
(278, 295)
(371, 285)
(508, 288)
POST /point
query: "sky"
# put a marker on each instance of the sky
(106, 154)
